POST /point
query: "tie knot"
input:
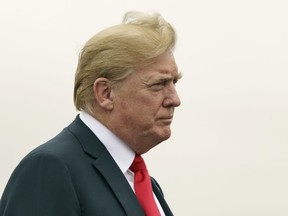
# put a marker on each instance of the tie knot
(138, 164)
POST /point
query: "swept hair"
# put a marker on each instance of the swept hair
(116, 52)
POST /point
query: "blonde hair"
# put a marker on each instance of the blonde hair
(116, 52)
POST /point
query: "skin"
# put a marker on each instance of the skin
(140, 108)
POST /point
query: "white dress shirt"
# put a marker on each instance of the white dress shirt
(120, 152)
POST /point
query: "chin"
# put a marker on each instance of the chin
(162, 137)
(152, 139)
(166, 133)
(156, 141)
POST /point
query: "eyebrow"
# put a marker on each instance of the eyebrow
(176, 78)
(164, 78)
(179, 76)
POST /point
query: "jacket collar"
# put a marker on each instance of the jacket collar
(105, 164)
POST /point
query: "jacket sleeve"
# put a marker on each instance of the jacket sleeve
(40, 185)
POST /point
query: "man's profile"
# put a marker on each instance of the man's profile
(125, 92)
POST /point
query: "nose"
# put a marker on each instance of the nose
(171, 98)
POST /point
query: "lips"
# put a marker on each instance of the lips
(166, 120)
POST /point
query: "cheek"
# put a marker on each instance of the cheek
(139, 108)
(138, 115)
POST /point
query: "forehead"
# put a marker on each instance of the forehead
(163, 66)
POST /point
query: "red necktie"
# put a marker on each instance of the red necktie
(143, 187)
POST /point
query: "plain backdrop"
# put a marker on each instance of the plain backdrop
(228, 154)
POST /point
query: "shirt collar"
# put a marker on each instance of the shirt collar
(120, 151)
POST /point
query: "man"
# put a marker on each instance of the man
(125, 92)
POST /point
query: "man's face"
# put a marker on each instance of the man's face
(144, 104)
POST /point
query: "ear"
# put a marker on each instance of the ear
(103, 93)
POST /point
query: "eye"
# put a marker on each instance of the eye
(158, 85)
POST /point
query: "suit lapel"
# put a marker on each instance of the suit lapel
(118, 183)
(159, 194)
(106, 165)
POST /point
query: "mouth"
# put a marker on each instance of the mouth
(166, 120)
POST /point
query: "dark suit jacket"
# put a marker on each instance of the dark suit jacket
(73, 174)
